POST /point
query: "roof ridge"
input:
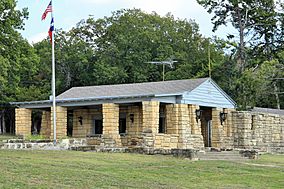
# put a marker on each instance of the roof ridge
(204, 78)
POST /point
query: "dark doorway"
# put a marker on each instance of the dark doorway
(70, 116)
(36, 122)
(122, 123)
(206, 125)
(7, 120)
(97, 127)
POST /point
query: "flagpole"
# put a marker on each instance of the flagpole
(53, 82)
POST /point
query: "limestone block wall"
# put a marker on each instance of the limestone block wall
(134, 126)
(88, 116)
(45, 124)
(61, 122)
(166, 141)
(23, 121)
(80, 131)
(261, 131)
(182, 129)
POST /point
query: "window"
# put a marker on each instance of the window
(122, 123)
(162, 120)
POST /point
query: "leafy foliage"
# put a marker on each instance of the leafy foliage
(260, 27)
(18, 61)
(116, 49)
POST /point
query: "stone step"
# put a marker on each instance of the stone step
(223, 159)
(97, 148)
(218, 153)
(84, 148)
(222, 155)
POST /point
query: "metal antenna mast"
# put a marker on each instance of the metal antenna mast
(169, 63)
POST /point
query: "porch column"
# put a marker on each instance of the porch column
(184, 129)
(61, 122)
(111, 135)
(217, 128)
(150, 126)
(172, 118)
(45, 124)
(195, 125)
(23, 121)
(228, 126)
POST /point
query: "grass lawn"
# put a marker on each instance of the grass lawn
(71, 169)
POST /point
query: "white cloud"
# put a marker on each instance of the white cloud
(37, 38)
(161, 7)
(96, 1)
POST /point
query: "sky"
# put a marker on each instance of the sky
(69, 12)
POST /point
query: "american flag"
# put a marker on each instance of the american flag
(47, 10)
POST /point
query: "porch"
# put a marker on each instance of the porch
(146, 124)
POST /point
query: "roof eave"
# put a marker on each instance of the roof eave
(70, 100)
(223, 92)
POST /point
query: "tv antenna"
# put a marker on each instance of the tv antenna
(169, 62)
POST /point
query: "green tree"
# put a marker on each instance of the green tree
(130, 38)
(116, 49)
(254, 20)
(262, 87)
(18, 61)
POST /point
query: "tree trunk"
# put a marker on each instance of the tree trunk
(1, 122)
(241, 56)
(276, 95)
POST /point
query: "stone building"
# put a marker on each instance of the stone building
(180, 114)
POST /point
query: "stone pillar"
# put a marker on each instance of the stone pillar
(111, 135)
(228, 126)
(184, 129)
(45, 124)
(196, 137)
(172, 119)
(61, 122)
(23, 121)
(217, 128)
(242, 129)
(150, 126)
(195, 126)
